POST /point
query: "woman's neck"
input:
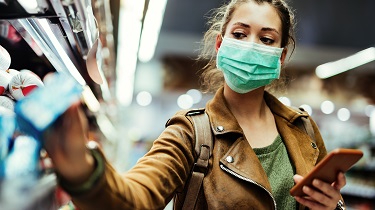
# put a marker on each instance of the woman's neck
(253, 116)
(249, 105)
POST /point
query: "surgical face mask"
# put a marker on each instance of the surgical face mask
(247, 65)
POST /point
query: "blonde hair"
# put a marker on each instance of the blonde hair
(212, 78)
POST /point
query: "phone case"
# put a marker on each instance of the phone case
(326, 170)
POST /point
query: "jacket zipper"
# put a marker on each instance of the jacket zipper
(223, 167)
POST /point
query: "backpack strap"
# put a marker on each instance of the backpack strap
(203, 149)
(305, 124)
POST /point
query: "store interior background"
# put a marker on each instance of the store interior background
(145, 88)
(326, 31)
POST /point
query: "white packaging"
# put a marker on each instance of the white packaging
(12, 72)
(24, 83)
(7, 102)
(5, 78)
(4, 59)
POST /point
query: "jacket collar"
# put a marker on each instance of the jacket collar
(298, 143)
(222, 118)
(289, 114)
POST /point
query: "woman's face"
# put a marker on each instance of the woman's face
(259, 23)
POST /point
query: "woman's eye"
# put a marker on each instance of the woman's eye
(267, 41)
(238, 35)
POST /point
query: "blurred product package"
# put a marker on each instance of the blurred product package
(7, 128)
(44, 105)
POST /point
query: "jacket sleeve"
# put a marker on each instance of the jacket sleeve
(153, 181)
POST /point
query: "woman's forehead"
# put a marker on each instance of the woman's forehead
(253, 14)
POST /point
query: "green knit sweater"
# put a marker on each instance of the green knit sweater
(275, 161)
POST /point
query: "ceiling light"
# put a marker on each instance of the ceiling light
(336, 67)
(195, 94)
(151, 28)
(130, 24)
(327, 107)
(144, 98)
(285, 100)
(185, 101)
(343, 114)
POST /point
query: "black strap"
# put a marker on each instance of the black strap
(305, 125)
(308, 127)
(203, 148)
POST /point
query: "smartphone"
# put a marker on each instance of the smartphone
(327, 169)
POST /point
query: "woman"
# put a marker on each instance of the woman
(257, 149)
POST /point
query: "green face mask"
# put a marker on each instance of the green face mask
(247, 65)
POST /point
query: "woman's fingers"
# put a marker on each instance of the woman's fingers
(316, 200)
(69, 131)
(297, 178)
(65, 142)
(321, 195)
(311, 204)
(340, 181)
(325, 193)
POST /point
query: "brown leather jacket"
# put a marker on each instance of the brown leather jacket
(241, 184)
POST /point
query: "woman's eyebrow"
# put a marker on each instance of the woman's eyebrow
(248, 26)
(270, 29)
(242, 24)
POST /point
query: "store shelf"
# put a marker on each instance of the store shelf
(65, 32)
(61, 36)
(359, 190)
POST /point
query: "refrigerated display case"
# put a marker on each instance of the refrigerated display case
(69, 36)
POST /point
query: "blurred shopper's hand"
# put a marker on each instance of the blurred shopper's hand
(65, 143)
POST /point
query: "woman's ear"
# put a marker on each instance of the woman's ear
(218, 42)
(283, 55)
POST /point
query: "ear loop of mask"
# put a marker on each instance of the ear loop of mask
(222, 38)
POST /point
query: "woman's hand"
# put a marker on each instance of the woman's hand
(65, 142)
(324, 196)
